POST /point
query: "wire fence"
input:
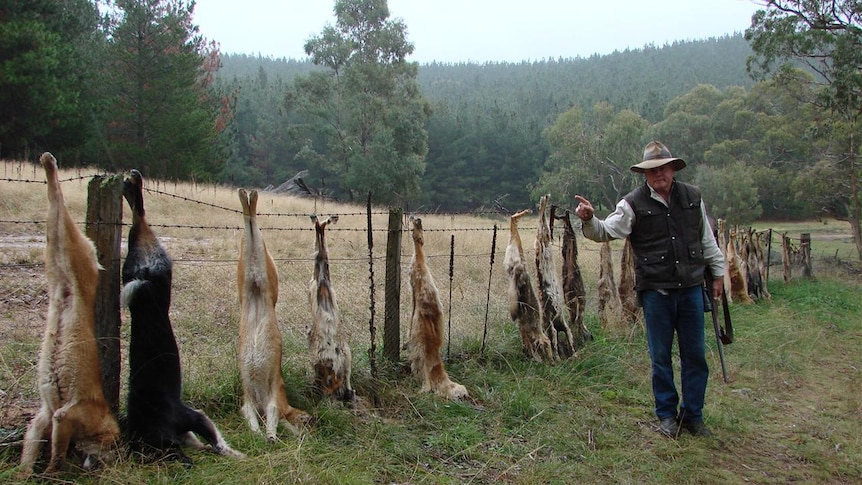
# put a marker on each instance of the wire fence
(471, 280)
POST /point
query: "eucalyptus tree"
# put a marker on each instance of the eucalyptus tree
(696, 120)
(365, 112)
(590, 154)
(731, 192)
(825, 37)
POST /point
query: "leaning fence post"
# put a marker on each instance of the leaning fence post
(103, 227)
(392, 310)
(372, 330)
(451, 278)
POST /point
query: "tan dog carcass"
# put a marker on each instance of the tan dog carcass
(523, 303)
(426, 325)
(331, 359)
(260, 345)
(550, 291)
(69, 380)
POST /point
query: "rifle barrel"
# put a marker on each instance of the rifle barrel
(718, 341)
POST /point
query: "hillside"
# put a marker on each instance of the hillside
(485, 131)
(643, 80)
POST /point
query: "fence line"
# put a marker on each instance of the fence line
(205, 308)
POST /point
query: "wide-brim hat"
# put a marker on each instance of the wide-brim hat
(656, 155)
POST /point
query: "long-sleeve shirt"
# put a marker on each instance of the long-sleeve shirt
(618, 225)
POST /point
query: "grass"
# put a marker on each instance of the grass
(830, 238)
(791, 412)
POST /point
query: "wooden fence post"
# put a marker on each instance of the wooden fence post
(104, 227)
(805, 254)
(392, 311)
(768, 253)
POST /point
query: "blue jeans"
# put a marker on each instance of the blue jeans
(680, 311)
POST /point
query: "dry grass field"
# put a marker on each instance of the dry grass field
(783, 420)
(201, 227)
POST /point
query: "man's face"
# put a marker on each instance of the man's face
(661, 178)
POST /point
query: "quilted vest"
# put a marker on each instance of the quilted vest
(667, 240)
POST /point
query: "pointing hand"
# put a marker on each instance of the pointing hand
(585, 209)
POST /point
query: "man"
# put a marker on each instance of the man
(673, 244)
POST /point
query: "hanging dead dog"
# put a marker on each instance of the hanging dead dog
(327, 343)
(426, 325)
(73, 409)
(550, 291)
(263, 393)
(523, 303)
(158, 420)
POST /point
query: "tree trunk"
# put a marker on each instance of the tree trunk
(855, 212)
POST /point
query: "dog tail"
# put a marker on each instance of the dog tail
(129, 290)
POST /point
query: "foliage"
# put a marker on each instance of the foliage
(366, 108)
(45, 101)
(826, 38)
(485, 142)
(730, 192)
(478, 158)
(263, 145)
(490, 134)
(161, 118)
(769, 130)
(591, 154)
(693, 122)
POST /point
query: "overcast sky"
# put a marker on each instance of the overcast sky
(481, 30)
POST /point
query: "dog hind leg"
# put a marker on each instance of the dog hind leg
(250, 413)
(37, 433)
(272, 417)
(199, 423)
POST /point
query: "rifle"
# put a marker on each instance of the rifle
(727, 331)
(723, 336)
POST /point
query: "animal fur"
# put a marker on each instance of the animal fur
(753, 255)
(426, 325)
(762, 259)
(158, 420)
(573, 283)
(720, 229)
(330, 354)
(737, 274)
(610, 308)
(523, 304)
(263, 393)
(550, 292)
(73, 408)
(631, 311)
